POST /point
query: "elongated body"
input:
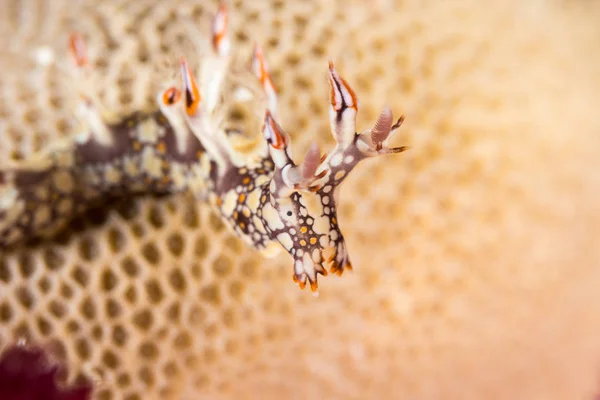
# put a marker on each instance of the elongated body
(188, 145)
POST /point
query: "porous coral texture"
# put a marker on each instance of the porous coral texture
(475, 253)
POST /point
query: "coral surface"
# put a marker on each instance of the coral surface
(476, 261)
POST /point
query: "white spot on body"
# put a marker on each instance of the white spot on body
(150, 163)
(333, 235)
(336, 160)
(147, 131)
(348, 159)
(286, 240)
(253, 200)
(229, 203)
(323, 242)
(321, 225)
(261, 180)
(259, 225)
(315, 209)
(271, 217)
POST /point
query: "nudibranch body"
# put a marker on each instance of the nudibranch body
(262, 194)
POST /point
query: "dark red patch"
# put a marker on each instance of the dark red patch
(27, 374)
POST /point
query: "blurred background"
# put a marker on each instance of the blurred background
(476, 253)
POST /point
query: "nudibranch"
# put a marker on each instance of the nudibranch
(263, 195)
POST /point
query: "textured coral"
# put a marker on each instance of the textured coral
(476, 271)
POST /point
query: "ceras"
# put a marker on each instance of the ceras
(262, 194)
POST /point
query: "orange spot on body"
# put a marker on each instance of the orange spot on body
(171, 96)
(246, 180)
(137, 146)
(161, 147)
(242, 198)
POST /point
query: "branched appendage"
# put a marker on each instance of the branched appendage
(300, 204)
(264, 196)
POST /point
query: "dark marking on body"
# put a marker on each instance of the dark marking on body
(192, 149)
(92, 151)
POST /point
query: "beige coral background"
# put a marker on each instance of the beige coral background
(477, 268)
